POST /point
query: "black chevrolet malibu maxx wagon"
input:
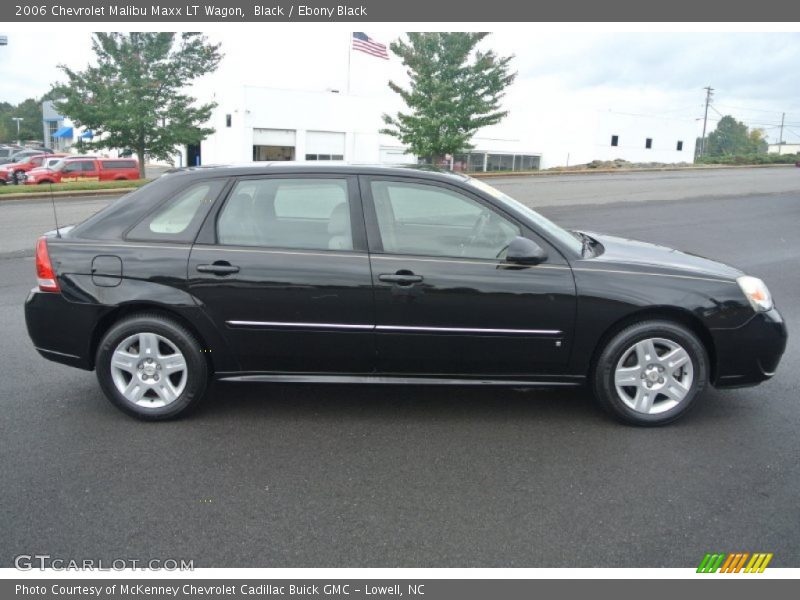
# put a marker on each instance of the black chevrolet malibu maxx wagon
(384, 275)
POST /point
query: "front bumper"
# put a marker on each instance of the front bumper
(751, 353)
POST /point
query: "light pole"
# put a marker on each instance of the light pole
(18, 119)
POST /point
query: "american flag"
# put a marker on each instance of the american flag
(364, 43)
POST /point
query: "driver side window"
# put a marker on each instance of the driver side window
(429, 220)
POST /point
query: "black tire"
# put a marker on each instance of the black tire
(196, 379)
(603, 377)
(17, 176)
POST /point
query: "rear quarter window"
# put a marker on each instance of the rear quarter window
(179, 218)
(118, 164)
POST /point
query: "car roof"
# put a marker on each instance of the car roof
(318, 167)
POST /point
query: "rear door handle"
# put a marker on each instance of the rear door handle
(219, 267)
(400, 278)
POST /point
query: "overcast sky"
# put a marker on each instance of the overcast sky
(756, 75)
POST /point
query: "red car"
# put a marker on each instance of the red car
(85, 169)
(13, 172)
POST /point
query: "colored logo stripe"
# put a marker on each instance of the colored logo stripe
(758, 563)
(734, 562)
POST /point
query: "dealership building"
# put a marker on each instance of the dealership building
(266, 124)
(260, 124)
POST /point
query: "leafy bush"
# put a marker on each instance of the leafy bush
(749, 159)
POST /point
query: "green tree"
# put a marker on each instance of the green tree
(134, 97)
(758, 141)
(30, 128)
(454, 90)
(730, 137)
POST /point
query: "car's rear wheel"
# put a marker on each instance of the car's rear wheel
(651, 373)
(151, 367)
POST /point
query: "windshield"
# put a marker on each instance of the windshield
(56, 165)
(550, 228)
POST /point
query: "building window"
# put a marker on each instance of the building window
(324, 157)
(615, 140)
(228, 120)
(500, 162)
(680, 146)
(648, 143)
(262, 153)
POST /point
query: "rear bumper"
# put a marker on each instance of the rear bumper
(751, 353)
(61, 331)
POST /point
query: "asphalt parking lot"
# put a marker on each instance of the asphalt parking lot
(346, 476)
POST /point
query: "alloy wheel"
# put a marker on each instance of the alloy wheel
(654, 375)
(149, 370)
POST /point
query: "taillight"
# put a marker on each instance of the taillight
(45, 274)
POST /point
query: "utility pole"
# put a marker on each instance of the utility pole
(18, 119)
(780, 138)
(709, 91)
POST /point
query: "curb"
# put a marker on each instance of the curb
(67, 193)
(547, 173)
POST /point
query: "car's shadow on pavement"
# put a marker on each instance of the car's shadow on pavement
(413, 403)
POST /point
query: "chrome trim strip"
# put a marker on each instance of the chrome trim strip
(304, 325)
(64, 354)
(486, 261)
(589, 270)
(468, 330)
(400, 328)
(165, 246)
(388, 380)
(260, 250)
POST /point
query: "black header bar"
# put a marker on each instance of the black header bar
(369, 11)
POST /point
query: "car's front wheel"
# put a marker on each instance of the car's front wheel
(650, 373)
(151, 367)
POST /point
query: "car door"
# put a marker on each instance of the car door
(72, 171)
(446, 301)
(283, 271)
(90, 170)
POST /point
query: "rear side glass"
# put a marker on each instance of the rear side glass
(180, 217)
(117, 164)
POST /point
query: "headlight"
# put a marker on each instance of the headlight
(756, 293)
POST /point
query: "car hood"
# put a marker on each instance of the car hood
(39, 171)
(623, 251)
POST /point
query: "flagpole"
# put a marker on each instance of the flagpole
(349, 54)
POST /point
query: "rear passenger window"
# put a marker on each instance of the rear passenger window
(312, 214)
(117, 164)
(179, 218)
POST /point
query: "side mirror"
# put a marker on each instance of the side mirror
(522, 251)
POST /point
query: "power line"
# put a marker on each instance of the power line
(749, 109)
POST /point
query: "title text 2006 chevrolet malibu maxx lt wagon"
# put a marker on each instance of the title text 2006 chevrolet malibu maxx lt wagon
(378, 275)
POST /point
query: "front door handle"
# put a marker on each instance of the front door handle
(220, 267)
(402, 277)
